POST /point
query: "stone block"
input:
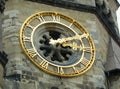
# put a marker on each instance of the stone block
(16, 71)
(7, 21)
(10, 30)
(45, 81)
(14, 39)
(7, 85)
(18, 23)
(99, 64)
(1, 74)
(86, 2)
(94, 35)
(11, 13)
(114, 82)
(78, 80)
(98, 55)
(6, 25)
(98, 71)
(11, 35)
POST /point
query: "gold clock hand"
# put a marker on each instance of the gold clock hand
(73, 45)
(60, 41)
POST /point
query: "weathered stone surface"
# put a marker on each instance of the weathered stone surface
(29, 75)
(86, 2)
(12, 13)
(1, 74)
(114, 80)
(19, 63)
(0, 32)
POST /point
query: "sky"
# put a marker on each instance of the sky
(118, 17)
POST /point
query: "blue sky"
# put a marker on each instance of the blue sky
(118, 1)
(118, 17)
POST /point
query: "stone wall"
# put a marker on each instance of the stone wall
(22, 74)
(113, 11)
(85, 2)
(115, 82)
(0, 32)
(1, 75)
(1, 68)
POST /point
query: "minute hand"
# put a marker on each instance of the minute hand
(68, 38)
(73, 38)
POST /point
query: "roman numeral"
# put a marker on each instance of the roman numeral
(30, 26)
(44, 64)
(84, 61)
(56, 18)
(60, 70)
(32, 52)
(84, 35)
(70, 24)
(87, 49)
(25, 38)
(76, 71)
(41, 19)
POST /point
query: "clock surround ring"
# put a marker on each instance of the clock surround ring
(60, 70)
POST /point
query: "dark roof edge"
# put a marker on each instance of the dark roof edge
(117, 3)
(114, 72)
(101, 12)
(66, 4)
(107, 19)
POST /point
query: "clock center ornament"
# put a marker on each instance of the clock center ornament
(57, 44)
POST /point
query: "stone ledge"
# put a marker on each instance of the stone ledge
(21, 77)
(12, 13)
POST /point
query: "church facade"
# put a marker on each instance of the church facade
(94, 22)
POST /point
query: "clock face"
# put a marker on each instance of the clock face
(57, 44)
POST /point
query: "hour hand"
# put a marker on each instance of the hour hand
(60, 41)
(53, 42)
(73, 45)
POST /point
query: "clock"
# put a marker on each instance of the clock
(57, 44)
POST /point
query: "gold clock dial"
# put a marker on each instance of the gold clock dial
(57, 44)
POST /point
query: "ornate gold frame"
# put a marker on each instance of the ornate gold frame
(56, 17)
